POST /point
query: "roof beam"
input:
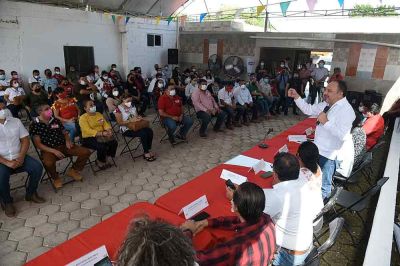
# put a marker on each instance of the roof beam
(152, 6)
(122, 5)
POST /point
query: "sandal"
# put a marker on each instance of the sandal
(150, 158)
(101, 165)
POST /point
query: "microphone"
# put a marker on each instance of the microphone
(326, 109)
(263, 145)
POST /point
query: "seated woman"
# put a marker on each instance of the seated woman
(66, 110)
(374, 124)
(104, 84)
(125, 114)
(112, 102)
(37, 97)
(97, 135)
(14, 96)
(359, 139)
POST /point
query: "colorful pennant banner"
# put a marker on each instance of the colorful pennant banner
(284, 7)
(341, 3)
(202, 16)
(311, 4)
(127, 19)
(113, 18)
(260, 9)
(169, 19)
(158, 20)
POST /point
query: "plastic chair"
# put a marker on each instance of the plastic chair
(335, 227)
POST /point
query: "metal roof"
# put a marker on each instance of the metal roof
(132, 7)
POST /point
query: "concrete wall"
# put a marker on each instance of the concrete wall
(32, 36)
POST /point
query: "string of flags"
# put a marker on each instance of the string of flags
(182, 19)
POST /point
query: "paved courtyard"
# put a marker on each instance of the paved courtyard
(80, 205)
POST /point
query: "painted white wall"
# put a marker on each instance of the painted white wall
(139, 54)
(38, 40)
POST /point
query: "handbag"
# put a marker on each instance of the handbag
(138, 125)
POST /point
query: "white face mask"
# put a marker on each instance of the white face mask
(243, 87)
(114, 68)
(57, 72)
(194, 70)
(172, 93)
(203, 87)
(115, 93)
(187, 80)
(282, 65)
(160, 85)
(128, 104)
(82, 82)
(105, 77)
(15, 85)
(36, 77)
(2, 114)
(361, 109)
(92, 109)
(2, 77)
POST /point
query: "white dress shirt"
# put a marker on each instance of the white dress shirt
(345, 157)
(10, 134)
(242, 95)
(226, 96)
(330, 137)
(13, 92)
(293, 206)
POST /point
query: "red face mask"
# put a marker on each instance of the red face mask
(63, 95)
(229, 89)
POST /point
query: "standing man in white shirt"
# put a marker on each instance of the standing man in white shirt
(319, 74)
(335, 117)
(293, 207)
(14, 144)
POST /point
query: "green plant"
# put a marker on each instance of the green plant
(366, 10)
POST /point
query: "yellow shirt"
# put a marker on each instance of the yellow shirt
(91, 124)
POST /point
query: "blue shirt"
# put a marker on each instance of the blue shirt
(49, 82)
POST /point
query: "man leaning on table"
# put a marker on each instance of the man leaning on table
(253, 242)
(335, 117)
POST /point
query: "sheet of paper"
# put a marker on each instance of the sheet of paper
(195, 207)
(309, 131)
(91, 258)
(284, 149)
(259, 166)
(297, 138)
(235, 178)
(242, 160)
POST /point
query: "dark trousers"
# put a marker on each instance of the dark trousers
(32, 166)
(49, 159)
(145, 135)
(230, 114)
(103, 149)
(241, 112)
(144, 102)
(314, 90)
(205, 119)
(14, 109)
(171, 126)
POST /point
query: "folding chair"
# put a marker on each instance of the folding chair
(361, 170)
(113, 123)
(165, 136)
(335, 227)
(355, 203)
(197, 124)
(128, 149)
(396, 232)
(46, 171)
(19, 171)
(319, 219)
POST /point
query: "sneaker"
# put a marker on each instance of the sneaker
(74, 174)
(35, 198)
(57, 182)
(9, 209)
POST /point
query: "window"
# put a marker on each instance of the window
(154, 40)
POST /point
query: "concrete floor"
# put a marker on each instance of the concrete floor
(80, 205)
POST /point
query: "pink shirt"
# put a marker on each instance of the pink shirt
(203, 100)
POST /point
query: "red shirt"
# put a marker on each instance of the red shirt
(336, 77)
(67, 110)
(58, 77)
(373, 127)
(172, 106)
(252, 244)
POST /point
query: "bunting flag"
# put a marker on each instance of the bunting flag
(311, 4)
(119, 19)
(341, 3)
(169, 19)
(113, 18)
(284, 7)
(158, 20)
(106, 15)
(260, 9)
(202, 16)
(127, 19)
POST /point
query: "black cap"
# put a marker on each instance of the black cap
(202, 81)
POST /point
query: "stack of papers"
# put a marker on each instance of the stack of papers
(246, 161)
(297, 138)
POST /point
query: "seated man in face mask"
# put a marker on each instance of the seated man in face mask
(226, 101)
(51, 138)
(191, 85)
(206, 107)
(49, 82)
(171, 112)
(57, 75)
(266, 92)
(4, 84)
(14, 144)
(244, 103)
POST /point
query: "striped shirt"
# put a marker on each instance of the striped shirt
(252, 245)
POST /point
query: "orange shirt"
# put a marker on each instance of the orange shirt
(66, 110)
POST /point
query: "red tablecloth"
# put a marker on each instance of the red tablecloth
(111, 233)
